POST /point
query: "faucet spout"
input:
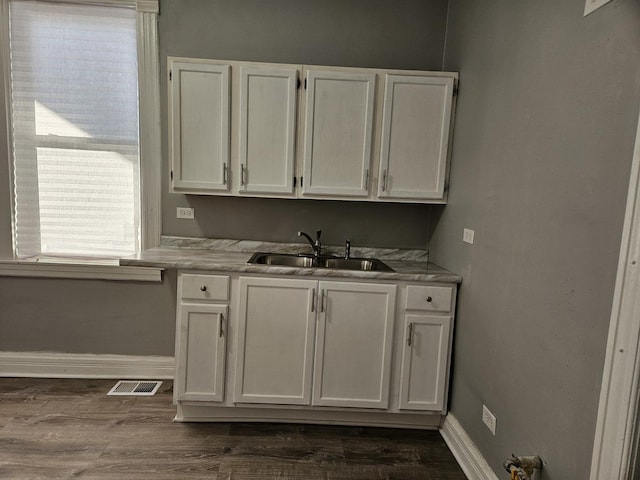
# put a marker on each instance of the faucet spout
(316, 246)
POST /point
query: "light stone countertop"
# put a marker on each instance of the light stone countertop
(232, 256)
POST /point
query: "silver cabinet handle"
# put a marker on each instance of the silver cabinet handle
(224, 173)
(366, 180)
(242, 182)
(384, 180)
(221, 322)
(322, 306)
(313, 300)
(203, 288)
(429, 299)
(410, 334)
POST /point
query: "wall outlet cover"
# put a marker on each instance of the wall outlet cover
(185, 212)
(489, 419)
(467, 235)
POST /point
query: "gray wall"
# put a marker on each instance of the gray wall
(544, 137)
(406, 34)
(88, 316)
(130, 318)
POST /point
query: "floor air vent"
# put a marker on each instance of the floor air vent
(127, 387)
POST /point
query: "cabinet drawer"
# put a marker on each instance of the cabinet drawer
(205, 287)
(434, 299)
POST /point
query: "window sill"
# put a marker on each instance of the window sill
(88, 271)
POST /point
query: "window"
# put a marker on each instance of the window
(82, 147)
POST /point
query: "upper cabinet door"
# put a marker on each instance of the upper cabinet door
(415, 137)
(199, 126)
(338, 133)
(267, 129)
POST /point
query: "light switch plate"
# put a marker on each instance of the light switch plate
(467, 235)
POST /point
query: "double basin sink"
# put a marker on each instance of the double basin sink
(310, 261)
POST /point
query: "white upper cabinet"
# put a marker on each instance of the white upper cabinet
(199, 126)
(415, 136)
(338, 132)
(267, 129)
(251, 129)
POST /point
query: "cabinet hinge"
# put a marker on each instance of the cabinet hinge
(170, 75)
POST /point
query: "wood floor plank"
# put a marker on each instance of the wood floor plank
(51, 428)
(247, 468)
(25, 471)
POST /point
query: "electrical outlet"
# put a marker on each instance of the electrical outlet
(185, 212)
(488, 419)
(467, 235)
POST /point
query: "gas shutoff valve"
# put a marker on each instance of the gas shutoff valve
(522, 468)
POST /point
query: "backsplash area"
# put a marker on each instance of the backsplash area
(251, 246)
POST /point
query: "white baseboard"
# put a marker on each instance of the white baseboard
(73, 365)
(473, 464)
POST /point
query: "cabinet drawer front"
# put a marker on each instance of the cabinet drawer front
(205, 287)
(434, 299)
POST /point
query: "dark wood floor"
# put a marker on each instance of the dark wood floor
(63, 429)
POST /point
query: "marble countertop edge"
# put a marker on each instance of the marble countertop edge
(207, 259)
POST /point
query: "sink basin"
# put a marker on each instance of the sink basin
(307, 261)
(363, 264)
(281, 259)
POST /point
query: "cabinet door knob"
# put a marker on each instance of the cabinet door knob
(203, 288)
(429, 299)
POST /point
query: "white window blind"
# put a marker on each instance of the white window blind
(74, 97)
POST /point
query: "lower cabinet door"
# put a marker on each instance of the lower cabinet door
(201, 352)
(423, 379)
(353, 345)
(276, 328)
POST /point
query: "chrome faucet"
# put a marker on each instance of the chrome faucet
(317, 246)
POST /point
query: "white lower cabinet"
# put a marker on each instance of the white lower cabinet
(201, 352)
(424, 362)
(353, 345)
(292, 348)
(276, 328)
(201, 337)
(277, 339)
